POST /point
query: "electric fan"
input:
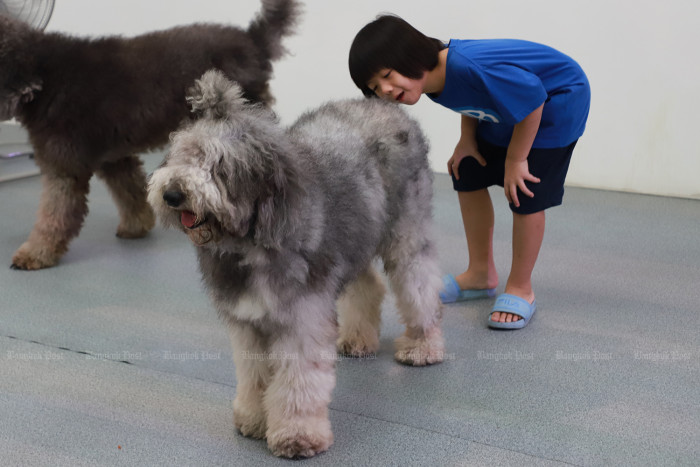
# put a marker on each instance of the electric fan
(15, 151)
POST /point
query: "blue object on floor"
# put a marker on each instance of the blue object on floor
(512, 304)
(451, 292)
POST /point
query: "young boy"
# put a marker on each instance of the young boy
(523, 106)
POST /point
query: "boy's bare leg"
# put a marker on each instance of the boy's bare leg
(478, 218)
(528, 232)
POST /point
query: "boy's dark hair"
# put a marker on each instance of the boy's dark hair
(390, 42)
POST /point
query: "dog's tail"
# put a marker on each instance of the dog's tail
(214, 96)
(275, 20)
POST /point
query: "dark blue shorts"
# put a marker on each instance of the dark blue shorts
(550, 165)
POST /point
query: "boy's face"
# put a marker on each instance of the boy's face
(392, 86)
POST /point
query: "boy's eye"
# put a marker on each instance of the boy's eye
(386, 75)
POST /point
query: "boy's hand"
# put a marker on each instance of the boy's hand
(516, 173)
(464, 149)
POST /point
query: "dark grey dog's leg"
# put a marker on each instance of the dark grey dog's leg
(126, 181)
(62, 209)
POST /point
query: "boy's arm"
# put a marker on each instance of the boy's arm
(516, 170)
(468, 127)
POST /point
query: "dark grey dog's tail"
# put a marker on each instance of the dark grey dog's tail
(275, 20)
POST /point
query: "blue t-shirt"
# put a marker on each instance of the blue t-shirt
(501, 81)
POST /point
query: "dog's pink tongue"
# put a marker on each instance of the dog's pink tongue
(188, 219)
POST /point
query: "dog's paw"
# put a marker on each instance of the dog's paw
(129, 233)
(423, 350)
(358, 344)
(252, 427)
(27, 259)
(300, 438)
(355, 349)
(251, 423)
(137, 227)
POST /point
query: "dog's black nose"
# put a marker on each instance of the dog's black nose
(173, 198)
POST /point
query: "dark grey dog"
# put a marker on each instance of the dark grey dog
(287, 222)
(91, 105)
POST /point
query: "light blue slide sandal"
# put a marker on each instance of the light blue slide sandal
(451, 292)
(507, 303)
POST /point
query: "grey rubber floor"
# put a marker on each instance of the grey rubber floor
(115, 357)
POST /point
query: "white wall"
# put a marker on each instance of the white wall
(640, 56)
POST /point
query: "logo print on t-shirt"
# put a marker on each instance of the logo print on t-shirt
(486, 115)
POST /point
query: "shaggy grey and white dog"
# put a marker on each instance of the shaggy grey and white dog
(91, 105)
(287, 222)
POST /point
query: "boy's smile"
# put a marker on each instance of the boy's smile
(392, 86)
(389, 84)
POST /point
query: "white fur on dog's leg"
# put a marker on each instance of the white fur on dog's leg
(301, 437)
(252, 376)
(248, 417)
(303, 377)
(420, 348)
(416, 282)
(297, 406)
(359, 315)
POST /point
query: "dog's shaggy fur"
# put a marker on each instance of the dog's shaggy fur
(91, 105)
(287, 223)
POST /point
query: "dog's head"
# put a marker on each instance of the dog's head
(18, 79)
(228, 174)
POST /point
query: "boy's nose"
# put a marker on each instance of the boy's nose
(385, 88)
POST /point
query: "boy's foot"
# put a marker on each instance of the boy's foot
(452, 292)
(468, 286)
(511, 312)
(469, 280)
